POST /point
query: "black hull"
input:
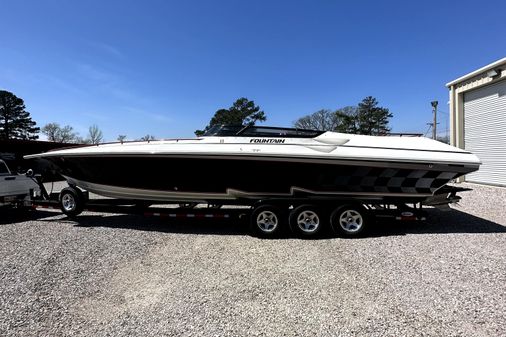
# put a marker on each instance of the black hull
(222, 177)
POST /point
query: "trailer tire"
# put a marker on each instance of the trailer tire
(306, 221)
(71, 201)
(349, 220)
(266, 221)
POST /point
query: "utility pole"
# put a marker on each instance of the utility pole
(434, 123)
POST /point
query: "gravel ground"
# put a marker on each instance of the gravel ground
(117, 275)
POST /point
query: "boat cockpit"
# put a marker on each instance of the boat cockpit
(260, 131)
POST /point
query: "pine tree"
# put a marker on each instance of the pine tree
(372, 120)
(15, 121)
(347, 120)
(242, 112)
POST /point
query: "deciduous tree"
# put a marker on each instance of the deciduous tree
(52, 131)
(95, 135)
(366, 119)
(55, 133)
(324, 120)
(147, 137)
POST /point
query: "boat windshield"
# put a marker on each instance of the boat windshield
(260, 131)
(224, 130)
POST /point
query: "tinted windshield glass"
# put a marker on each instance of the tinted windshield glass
(265, 131)
(224, 130)
(260, 131)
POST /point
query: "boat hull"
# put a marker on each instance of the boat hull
(207, 178)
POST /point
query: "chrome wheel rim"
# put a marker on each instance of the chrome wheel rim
(308, 221)
(267, 221)
(68, 202)
(351, 220)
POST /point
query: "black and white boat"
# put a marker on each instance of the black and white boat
(233, 163)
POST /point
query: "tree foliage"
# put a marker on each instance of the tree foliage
(242, 112)
(366, 119)
(348, 118)
(55, 133)
(52, 131)
(66, 134)
(372, 119)
(147, 137)
(324, 120)
(15, 121)
(327, 120)
(121, 138)
(95, 135)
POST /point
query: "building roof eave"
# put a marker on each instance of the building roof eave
(477, 72)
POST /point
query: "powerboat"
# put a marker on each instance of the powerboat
(233, 163)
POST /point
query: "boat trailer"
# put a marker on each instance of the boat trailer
(304, 216)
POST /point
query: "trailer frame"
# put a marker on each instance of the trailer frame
(304, 216)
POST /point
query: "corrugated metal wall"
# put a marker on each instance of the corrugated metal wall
(485, 132)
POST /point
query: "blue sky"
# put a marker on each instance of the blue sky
(164, 67)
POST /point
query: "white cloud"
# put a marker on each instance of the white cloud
(106, 48)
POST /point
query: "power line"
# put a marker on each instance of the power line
(426, 132)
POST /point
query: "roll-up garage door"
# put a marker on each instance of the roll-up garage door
(485, 132)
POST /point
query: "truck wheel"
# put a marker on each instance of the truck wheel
(306, 220)
(349, 220)
(266, 221)
(71, 201)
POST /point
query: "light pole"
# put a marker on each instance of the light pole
(434, 111)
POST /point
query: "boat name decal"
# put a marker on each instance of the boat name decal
(269, 140)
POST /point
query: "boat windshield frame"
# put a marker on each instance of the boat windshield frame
(260, 131)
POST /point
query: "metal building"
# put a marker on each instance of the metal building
(478, 120)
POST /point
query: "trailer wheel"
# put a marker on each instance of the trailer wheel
(349, 220)
(71, 201)
(266, 221)
(306, 220)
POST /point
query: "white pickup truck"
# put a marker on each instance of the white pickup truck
(15, 189)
